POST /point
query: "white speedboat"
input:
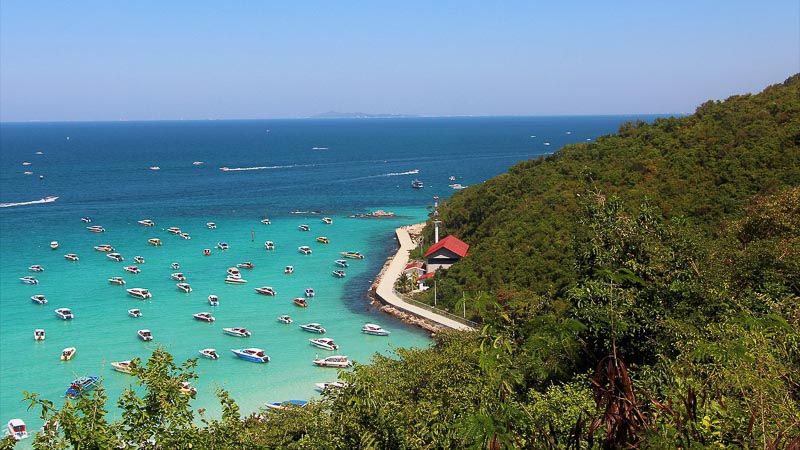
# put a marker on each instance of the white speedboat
(146, 222)
(178, 276)
(338, 361)
(122, 366)
(324, 343)
(138, 259)
(209, 353)
(39, 298)
(64, 313)
(155, 241)
(222, 245)
(145, 335)
(104, 248)
(140, 293)
(266, 221)
(313, 328)
(213, 300)
(288, 270)
(115, 257)
(417, 184)
(211, 225)
(38, 334)
(339, 273)
(184, 287)
(71, 257)
(235, 280)
(233, 272)
(175, 266)
(287, 319)
(236, 331)
(68, 353)
(17, 429)
(266, 290)
(116, 280)
(204, 317)
(269, 245)
(255, 355)
(132, 269)
(304, 249)
(310, 292)
(342, 263)
(36, 268)
(304, 227)
(375, 330)
(54, 245)
(136, 312)
(321, 387)
(29, 280)
(174, 230)
(327, 220)
(96, 229)
(245, 265)
(185, 236)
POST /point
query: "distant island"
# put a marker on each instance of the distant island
(359, 115)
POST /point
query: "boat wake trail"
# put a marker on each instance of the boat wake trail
(396, 174)
(241, 169)
(33, 202)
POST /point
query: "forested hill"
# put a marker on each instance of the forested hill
(522, 225)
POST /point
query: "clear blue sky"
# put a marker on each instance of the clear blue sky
(146, 60)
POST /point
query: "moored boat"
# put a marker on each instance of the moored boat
(115, 257)
(135, 313)
(122, 366)
(353, 255)
(324, 343)
(301, 302)
(54, 245)
(310, 292)
(236, 331)
(116, 280)
(245, 265)
(39, 298)
(140, 293)
(211, 225)
(323, 240)
(266, 290)
(204, 316)
(255, 355)
(96, 229)
(64, 313)
(185, 287)
(339, 361)
(304, 249)
(213, 300)
(339, 273)
(287, 319)
(146, 222)
(288, 270)
(17, 429)
(29, 280)
(178, 276)
(313, 328)
(206, 252)
(104, 248)
(145, 335)
(235, 280)
(36, 268)
(132, 269)
(155, 241)
(342, 263)
(266, 221)
(185, 236)
(327, 220)
(233, 272)
(304, 227)
(375, 330)
(175, 266)
(269, 245)
(174, 230)
(322, 387)
(68, 353)
(81, 385)
(38, 334)
(222, 245)
(279, 406)
(187, 389)
(86, 219)
(209, 353)
(138, 259)
(417, 184)
(71, 257)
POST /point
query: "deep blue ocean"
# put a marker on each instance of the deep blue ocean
(290, 171)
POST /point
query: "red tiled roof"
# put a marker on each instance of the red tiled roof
(451, 243)
(426, 276)
(413, 265)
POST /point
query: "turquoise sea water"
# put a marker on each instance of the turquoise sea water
(102, 170)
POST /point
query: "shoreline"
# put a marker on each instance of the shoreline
(397, 307)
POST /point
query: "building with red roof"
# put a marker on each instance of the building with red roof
(445, 253)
